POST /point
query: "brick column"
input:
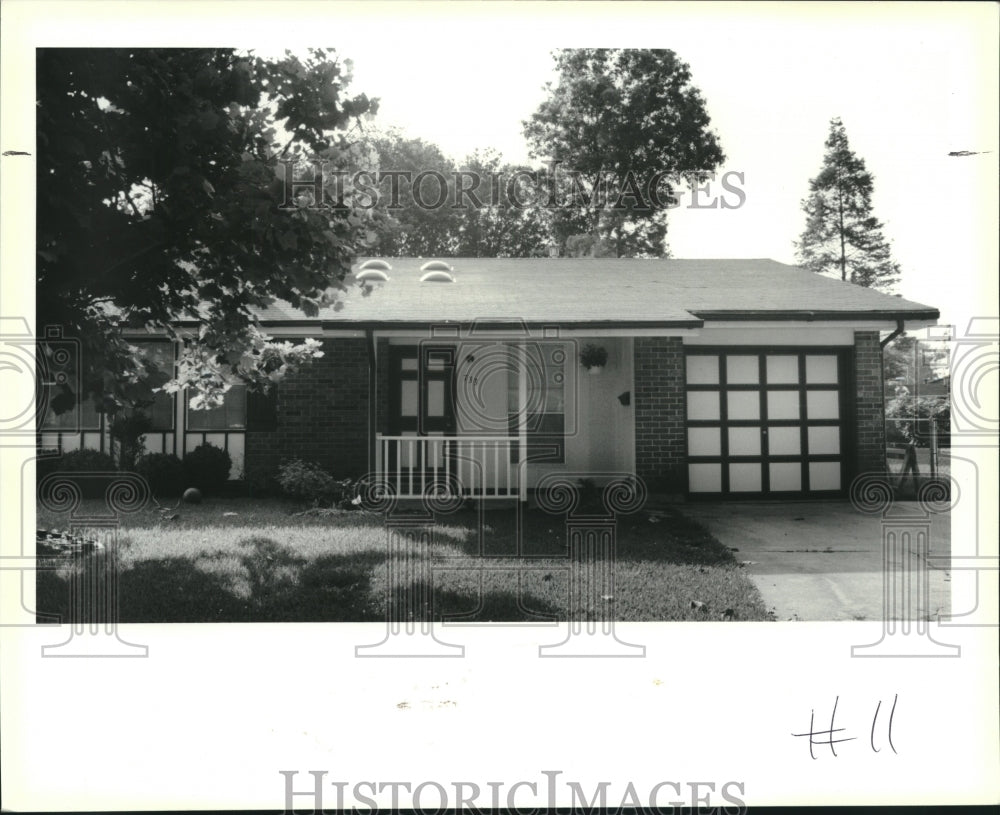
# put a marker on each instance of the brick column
(660, 438)
(869, 403)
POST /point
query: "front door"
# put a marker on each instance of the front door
(422, 386)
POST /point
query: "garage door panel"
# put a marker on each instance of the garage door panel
(744, 441)
(785, 476)
(765, 421)
(745, 477)
(782, 369)
(705, 478)
(704, 441)
(743, 405)
(822, 404)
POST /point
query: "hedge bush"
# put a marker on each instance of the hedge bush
(79, 461)
(163, 471)
(305, 480)
(207, 468)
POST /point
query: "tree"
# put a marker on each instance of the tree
(420, 219)
(503, 215)
(161, 197)
(424, 215)
(842, 236)
(616, 114)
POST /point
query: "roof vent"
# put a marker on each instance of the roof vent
(371, 276)
(436, 271)
(375, 263)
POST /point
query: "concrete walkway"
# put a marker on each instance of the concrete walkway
(822, 560)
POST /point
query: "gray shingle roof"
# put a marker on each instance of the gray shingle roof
(596, 291)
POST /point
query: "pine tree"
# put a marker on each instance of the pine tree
(842, 235)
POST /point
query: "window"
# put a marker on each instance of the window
(159, 405)
(83, 415)
(231, 415)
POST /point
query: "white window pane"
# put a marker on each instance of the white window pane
(704, 441)
(743, 404)
(824, 475)
(824, 440)
(236, 455)
(703, 405)
(785, 476)
(435, 397)
(744, 478)
(705, 477)
(408, 363)
(408, 398)
(702, 370)
(782, 370)
(821, 370)
(742, 370)
(822, 405)
(783, 404)
(744, 441)
(784, 441)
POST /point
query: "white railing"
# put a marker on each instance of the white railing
(475, 466)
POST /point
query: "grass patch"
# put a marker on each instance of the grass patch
(241, 560)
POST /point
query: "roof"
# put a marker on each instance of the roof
(610, 292)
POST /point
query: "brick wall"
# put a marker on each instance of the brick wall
(660, 439)
(322, 415)
(869, 403)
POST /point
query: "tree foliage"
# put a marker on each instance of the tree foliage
(842, 236)
(619, 111)
(510, 219)
(423, 214)
(420, 219)
(160, 197)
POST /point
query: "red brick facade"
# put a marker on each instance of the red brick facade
(322, 416)
(660, 438)
(869, 403)
(323, 412)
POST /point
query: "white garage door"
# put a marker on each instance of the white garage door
(765, 421)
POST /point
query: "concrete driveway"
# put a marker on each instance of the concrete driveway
(822, 560)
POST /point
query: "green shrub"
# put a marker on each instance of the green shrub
(305, 480)
(207, 468)
(79, 461)
(908, 420)
(163, 471)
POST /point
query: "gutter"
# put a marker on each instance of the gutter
(893, 335)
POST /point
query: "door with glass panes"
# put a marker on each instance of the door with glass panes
(766, 421)
(421, 402)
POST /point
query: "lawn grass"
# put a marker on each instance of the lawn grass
(262, 560)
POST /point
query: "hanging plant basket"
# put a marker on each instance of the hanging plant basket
(593, 358)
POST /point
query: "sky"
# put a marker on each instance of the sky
(911, 84)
